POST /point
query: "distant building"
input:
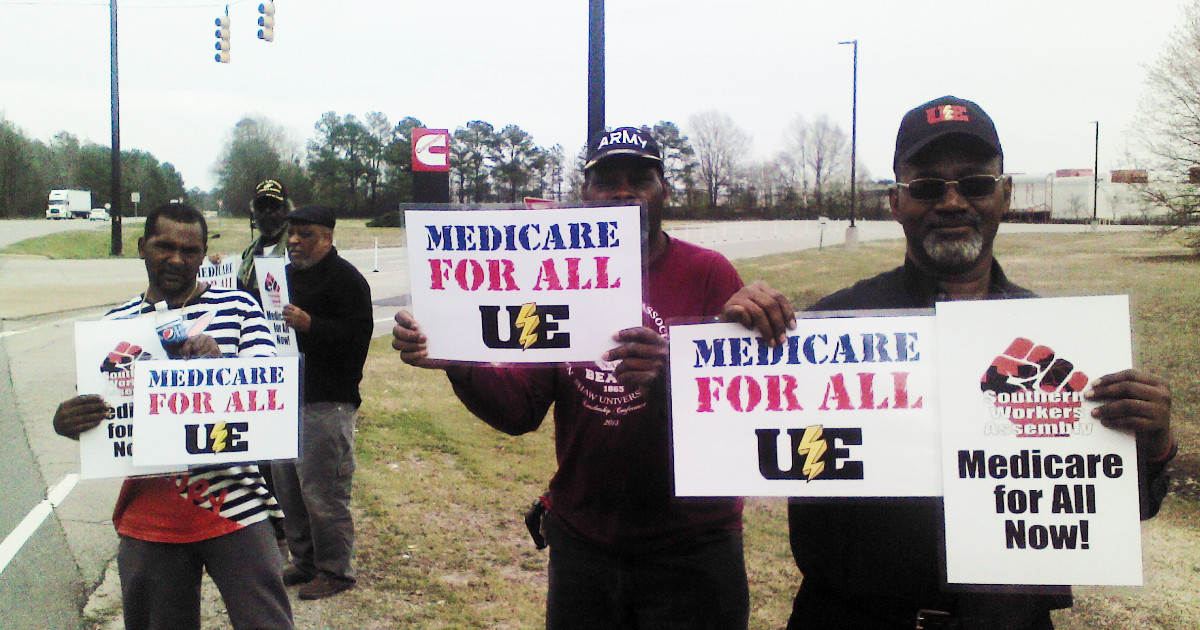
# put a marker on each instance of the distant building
(1066, 195)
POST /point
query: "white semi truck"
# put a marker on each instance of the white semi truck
(69, 204)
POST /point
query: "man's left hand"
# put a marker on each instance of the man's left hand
(1137, 402)
(297, 318)
(200, 347)
(642, 355)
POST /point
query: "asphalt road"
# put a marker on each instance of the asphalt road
(16, 231)
(61, 560)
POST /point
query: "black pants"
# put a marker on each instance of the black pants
(818, 609)
(697, 585)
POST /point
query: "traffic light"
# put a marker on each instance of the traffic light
(222, 33)
(266, 21)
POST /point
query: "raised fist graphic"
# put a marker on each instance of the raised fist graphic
(1026, 366)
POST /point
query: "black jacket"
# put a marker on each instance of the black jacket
(338, 299)
(885, 554)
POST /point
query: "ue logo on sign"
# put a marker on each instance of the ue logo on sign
(431, 149)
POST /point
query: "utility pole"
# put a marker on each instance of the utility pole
(852, 231)
(595, 88)
(1096, 174)
(114, 94)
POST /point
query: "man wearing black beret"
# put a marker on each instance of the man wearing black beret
(330, 311)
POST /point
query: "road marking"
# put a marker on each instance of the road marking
(32, 521)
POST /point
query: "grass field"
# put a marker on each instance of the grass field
(440, 495)
(225, 235)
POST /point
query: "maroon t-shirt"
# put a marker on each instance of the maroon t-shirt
(613, 486)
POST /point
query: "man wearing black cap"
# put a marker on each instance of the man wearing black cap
(330, 311)
(624, 553)
(269, 208)
(874, 563)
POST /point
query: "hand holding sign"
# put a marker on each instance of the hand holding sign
(297, 318)
(1132, 400)
(79, 414)
(761, 308)
(642, 355)
(412, 344)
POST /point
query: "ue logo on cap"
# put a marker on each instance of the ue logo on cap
(431, 149)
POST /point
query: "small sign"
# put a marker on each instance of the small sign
(846, 407)
(431, 149)
(214, 411)
(525, 286)
(271, 273)
(222, 275)
(105, 355)
(1036, 491)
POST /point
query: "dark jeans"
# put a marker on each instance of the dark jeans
(820, 609)
(160, 582)
(314, 492)
(699, 584)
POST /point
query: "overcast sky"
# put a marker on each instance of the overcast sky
(1044, 69)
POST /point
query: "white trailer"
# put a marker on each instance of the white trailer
(68, 204)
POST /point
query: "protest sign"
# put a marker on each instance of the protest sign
(105, 354)
(525, 286)
(211, 411)
(846, 407)
(273, 287)
(222, 275)
(1036, 491)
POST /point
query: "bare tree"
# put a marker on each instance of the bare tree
(719, 144)
(1169, 127)
(819, 148)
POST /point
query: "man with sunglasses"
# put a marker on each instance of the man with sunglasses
(875, 563)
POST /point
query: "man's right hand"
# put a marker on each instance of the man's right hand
(412, 344)
(78, 414)
(759, 307)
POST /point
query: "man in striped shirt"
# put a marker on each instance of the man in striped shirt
(210, 518)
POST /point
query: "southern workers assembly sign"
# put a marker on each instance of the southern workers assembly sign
(1036, 491)
(844, 408)
(106, 353)
(271, 274)
(525, 286)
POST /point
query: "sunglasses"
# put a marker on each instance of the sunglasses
(971, 187)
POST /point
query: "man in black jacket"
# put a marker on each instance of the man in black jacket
(875, 563)
(330, 311)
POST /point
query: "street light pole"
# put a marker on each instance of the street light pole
(1096, 174)
(852, 231)
(595, 87)
(115, 184)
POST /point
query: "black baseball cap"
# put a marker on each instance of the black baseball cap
(313, 215)
(945, 116)
(270, 189)
(623, 141)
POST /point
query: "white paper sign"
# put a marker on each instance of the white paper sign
(223, 276)
(105, 354)
(273, 287)
(1036, 491)
(524, 286)
(845, 408)
(211, 411)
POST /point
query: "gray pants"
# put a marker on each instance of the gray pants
(314, 492)
(160, 582)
